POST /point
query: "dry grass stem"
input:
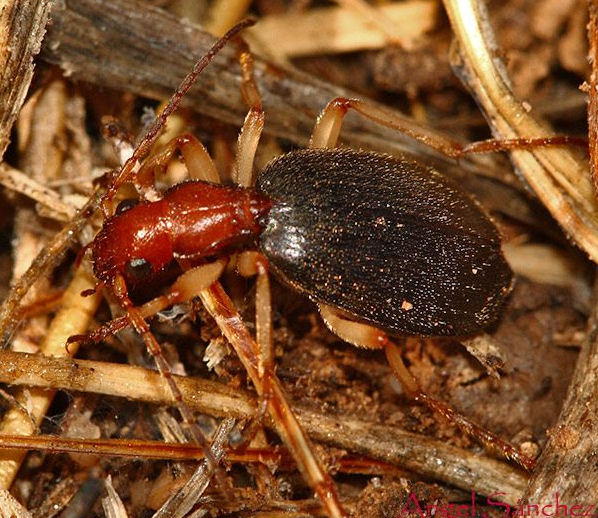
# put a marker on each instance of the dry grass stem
(548, 264)
(559, 177)
(73, 318)
(122, 380)
(131, 448)
(18, 181)
(429, 457)
(112, 504)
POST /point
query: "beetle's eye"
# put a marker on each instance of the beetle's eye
(138, 269)
(125, 205)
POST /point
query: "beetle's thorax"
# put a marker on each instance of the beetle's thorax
(209, 219)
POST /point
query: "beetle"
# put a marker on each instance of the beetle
(381, 244)
(388, 242)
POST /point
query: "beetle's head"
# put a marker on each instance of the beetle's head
(135, 243)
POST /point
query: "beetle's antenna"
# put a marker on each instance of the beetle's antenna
(151, 134)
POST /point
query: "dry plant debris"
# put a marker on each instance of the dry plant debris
(121, 57)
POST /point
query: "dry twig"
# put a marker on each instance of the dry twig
(428, 457)
(116, 45)
(22, 27)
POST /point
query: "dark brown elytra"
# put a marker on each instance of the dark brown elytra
(389, 242)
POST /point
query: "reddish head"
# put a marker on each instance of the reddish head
(194, 221)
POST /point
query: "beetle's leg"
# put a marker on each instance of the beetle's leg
(252, 263)
(230, 322)
(488, 439)
(140, 325)
(249, 264)
(252, 126)
(152, 133)
(363, 335)
(196, 158)
(142, 328)
(492, 145)
(270, 394)
(183, 289)
(327, 128)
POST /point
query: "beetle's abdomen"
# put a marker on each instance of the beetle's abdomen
(390, 242)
